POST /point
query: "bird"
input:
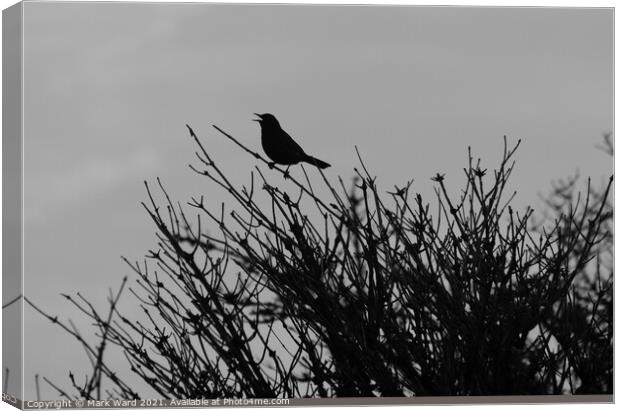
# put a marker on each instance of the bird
(280, 146)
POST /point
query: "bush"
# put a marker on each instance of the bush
(364, 293)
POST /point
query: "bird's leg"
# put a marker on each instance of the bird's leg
(286, 174)
(271, 165)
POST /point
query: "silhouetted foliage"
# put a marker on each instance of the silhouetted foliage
(365, 293)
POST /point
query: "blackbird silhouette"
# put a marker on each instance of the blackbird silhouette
(280, 147)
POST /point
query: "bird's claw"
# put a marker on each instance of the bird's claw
(271, 165)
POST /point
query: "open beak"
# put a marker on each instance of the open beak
(259, 119)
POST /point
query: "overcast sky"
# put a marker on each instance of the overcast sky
(109, 88)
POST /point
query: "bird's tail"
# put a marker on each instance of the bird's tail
(316, 162)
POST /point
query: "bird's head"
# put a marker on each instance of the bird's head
(267, 120)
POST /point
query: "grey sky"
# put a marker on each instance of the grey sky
(109, 87)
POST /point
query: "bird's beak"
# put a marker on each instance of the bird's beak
(257, 119)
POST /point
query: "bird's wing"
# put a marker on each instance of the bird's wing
(287, 141)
